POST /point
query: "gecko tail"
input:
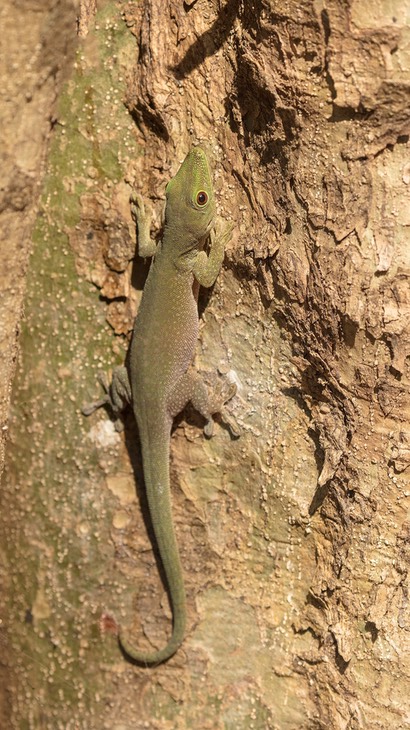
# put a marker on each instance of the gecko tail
(127, 644)
(155, 436)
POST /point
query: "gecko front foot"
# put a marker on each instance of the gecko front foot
(137, 207)
(142, 215)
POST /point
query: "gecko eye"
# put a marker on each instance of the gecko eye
(202, 198)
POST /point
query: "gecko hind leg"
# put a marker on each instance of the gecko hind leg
(117, 395)
(217, 397)
(207, 401)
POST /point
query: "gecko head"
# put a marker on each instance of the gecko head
(190, 198)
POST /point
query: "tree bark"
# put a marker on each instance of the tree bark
(294, 539)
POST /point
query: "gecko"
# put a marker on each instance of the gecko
(158, 379)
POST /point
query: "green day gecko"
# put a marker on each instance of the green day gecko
(159, 380)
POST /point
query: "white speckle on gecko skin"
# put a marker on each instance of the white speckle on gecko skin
(103, 434)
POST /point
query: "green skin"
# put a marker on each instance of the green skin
(159, 381)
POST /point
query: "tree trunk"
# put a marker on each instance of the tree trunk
(294, 538)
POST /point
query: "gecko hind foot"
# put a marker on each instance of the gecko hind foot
(223, 393)
(117, 396)
(89, 408)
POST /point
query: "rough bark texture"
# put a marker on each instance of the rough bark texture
(33, 65)
(295, 538)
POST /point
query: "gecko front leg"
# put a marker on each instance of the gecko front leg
(207, 266)
(142, 214)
